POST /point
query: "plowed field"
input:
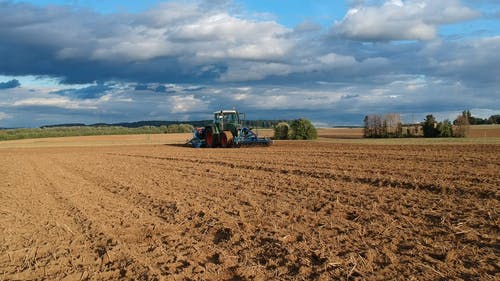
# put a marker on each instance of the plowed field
(292, 211)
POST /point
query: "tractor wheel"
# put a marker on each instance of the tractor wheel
(226, 139)
(209, 137)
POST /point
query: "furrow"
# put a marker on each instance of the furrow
(373, 181)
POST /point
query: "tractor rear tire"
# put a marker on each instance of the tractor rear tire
(226, 139)
(210, 139)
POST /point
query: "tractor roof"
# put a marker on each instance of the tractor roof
(226, 111)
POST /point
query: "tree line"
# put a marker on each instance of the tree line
(46, 132)
(493, 119)
(265, 124)
(390, 126)
(141, 127)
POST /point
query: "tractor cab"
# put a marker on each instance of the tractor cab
(227, 116)
(228, 120)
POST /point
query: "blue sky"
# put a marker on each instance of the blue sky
(330, 61)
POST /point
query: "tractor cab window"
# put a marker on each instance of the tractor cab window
(231, 117)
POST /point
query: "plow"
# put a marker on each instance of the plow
(226, 131)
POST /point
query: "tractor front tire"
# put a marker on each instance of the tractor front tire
(226, 139)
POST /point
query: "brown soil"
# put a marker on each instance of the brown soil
(292, 211)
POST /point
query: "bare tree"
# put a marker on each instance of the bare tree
(462, 125)
(376, 126)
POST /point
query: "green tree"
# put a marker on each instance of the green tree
(303, 129)
(429, 127)
(494, 119)
(366, 127)
(281, 131)
(445, 129)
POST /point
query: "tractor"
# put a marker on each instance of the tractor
(226, 130)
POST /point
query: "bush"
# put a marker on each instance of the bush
(303, 129)
(445, 129)
(185, 128)
(281, 131)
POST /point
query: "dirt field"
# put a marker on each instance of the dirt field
(94, 208)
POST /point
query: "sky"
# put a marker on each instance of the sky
(332, 62)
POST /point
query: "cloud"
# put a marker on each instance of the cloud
(202, 42)
(249, 71)
(159, 88)
(331, 103)
(4, 115)
(401, 20)
(173, 42)
(90, 92)
(183, 60)
(141, 87)
(187, 104)
(10, 84)
(60, 102)
(471, 61)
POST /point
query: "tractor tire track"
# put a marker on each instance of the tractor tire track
(29, 212)
(375, 182)
(171, 264)
(129, 262)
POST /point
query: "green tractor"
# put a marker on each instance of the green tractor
(226, 131)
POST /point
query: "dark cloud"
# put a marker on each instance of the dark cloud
(183, 43)
(76, 45)
(161, 89)
(346, 97)
(141, 87)
(155, 88)
(172, 43)
(10, 84)
(90, 92)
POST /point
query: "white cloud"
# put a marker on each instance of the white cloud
(4, 115)
(472, 61)
(402, 20)
(61, 102)
(222, 36)
(185, 31)
(337, 60)
(186, 104)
